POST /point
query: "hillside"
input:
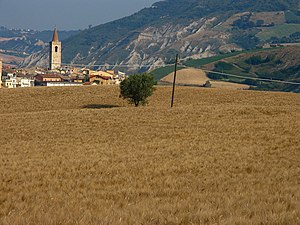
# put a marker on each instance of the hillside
(197, 77)
(193, 28)
(81, 155)
(277, 64)
(281, 63)
(16, 44)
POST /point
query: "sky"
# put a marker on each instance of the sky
(65, 14)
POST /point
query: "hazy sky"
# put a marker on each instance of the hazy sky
(65, 14)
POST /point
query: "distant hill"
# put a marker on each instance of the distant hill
(278, 64)
(192, 28)
(20, 43)
(196, 78)
(281, 63)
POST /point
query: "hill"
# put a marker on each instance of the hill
(192, 28)
(277, 64)
(16, 44)
(281, 63)
(197, 77)
(81, 155)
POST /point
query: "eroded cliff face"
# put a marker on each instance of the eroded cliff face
(39, 59)
(157, 46)
(152, 47)
(192, 28)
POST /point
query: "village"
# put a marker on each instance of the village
(57, 74)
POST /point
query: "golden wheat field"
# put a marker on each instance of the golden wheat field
(192, 76)
(81, 155)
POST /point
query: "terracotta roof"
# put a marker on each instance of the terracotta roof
(105, 78)
(87, 83)
(49, 75)
(55, 35)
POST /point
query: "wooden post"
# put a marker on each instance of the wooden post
(174, 81)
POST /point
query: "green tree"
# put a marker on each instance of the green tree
(137, 88)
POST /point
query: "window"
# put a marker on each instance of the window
(56, 49)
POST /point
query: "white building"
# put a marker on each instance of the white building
(12, 81)
(26, 82)
(62, 84)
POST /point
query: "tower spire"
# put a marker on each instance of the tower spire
(55, 52)
(55, 36)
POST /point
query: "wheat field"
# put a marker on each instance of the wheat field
(81, 155)
(192, 76)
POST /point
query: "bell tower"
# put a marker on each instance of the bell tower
(55, 52)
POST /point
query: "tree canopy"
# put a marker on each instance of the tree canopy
(137, 88)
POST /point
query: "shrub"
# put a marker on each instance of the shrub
(207, 84)
(215, 76)
(255, 60)
(250, 82)
(221, 66)
(137, 88)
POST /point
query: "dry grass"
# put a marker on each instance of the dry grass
(70, 156)
(229, 85)
(191, 76)
(187, 76)
(10, 59)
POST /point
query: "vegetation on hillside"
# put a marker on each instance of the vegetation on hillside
(283, 33)
(163, 71)
(293, 16)
(86, 44)
(198, 63)
(280, 64)
(25, 41)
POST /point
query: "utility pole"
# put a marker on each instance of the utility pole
(174, 81)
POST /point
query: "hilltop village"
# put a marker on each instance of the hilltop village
(57, 74)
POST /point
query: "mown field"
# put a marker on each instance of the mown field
(278, 31)
(197, 77)
(81, 155)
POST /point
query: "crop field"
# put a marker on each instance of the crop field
(82, 155)
(161, 72)
(278, 31)
(197, 77)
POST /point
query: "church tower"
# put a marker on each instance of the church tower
(55, 52)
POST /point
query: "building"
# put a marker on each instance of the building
(55, 52)
(25, 81)
(102, 80)
(14, 81)
(44, 79)
(48, 78)
(52, 80)
(11, 81)
(62, 84)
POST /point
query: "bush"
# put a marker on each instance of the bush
(215, 76)
(207, 84)
(255, 60)
(221, 66)
(137, 88)
(250, 82)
